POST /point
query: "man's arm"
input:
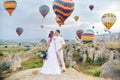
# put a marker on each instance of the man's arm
(63, 44)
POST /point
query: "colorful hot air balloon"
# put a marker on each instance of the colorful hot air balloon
(44, 10)
(10, 6)
(89, 31)
(58, 20)
(19, 31)
(88, 36)
(108, 20)
(63, 8)
(76, 18)
(91, 7)
(79, 32)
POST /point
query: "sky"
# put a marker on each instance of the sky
(27, 16)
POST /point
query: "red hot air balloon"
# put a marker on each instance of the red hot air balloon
(44, 10)
(19, 31)
(10, 6)
(91, 7)
(63, 8)
(79, 33)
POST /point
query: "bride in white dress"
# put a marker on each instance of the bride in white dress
(51, 65)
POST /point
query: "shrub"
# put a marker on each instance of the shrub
(6, 46)
(32, 64)
(96, 48)
(19, 44)
(101, 60)
(27, 49)
(4, 66)
(89, 60)
(118, 50)
(74, 47)
(1, 54)
(67, 50)
(76, 56)
(86, 52)
(97, 73)
(1, 77)
(80, 59)
(78, 50)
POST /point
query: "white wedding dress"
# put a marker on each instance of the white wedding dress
(51, 65)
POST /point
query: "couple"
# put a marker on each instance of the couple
(55, 48)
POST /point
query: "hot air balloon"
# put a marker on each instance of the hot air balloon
(10, 6)
(63, 8)
(19, 31)
(91, 7)
(88, 36)
(42, 26)
(97, 32)
(44, 10)
(108, 20)
(58, 20)
(93, 27)
(79, 32)
(76, 18)
(89, 31)
(106, 30)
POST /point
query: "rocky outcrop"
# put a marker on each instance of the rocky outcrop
(68, 52)
(15, 62)
(111, 69)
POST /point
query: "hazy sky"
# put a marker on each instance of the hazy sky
(27, 16)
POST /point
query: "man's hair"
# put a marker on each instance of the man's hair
(58, 31)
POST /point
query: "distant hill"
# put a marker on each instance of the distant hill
(113, 37)
(43, 41)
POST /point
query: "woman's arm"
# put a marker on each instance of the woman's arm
(48, 44)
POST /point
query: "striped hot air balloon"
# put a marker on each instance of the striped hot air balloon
(59, 21)
(88, 36)
(63, 8)
(10, 6)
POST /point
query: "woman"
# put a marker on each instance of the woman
(51, 65)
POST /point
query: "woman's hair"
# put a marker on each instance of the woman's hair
(51, 35)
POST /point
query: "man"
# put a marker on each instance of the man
(60, 44)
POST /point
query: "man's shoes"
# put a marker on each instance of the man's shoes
(63, 71)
